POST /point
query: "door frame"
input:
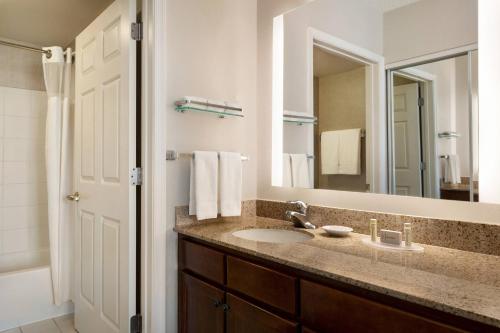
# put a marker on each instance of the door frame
(375, 99)
(153, 148)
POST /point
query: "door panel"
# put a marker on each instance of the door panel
(200, 306)
(407, 154)
(104, 155)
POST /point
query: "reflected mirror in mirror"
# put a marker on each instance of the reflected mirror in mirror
(367, 99)
(434, 136)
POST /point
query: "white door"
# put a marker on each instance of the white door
(407, 140)
(105, 269)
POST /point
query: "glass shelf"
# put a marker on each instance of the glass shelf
(299, 122)
(219, 113)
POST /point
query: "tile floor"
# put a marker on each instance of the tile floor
(62, 324)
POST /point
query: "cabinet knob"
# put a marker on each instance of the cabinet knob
(217, 303)
(225, 307)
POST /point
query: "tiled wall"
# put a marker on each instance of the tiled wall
(20, 69)
(23, 197)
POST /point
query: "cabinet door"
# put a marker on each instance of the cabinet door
(200, 306)
(329, 310)
(243, 317)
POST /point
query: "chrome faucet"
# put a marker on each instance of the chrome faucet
(299, 218)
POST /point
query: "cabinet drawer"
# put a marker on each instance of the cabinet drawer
(325, 309)
(243, 317)
(202, 260)
(263, 284)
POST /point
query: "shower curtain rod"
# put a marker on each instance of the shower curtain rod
(48, 53)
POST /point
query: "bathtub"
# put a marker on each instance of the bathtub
(26, 294)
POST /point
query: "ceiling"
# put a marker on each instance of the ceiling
(326, 63)
(47, 22)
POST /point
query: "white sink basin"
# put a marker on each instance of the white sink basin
(273, 235)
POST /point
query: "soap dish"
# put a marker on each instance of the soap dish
(337, 230)
(384, 246)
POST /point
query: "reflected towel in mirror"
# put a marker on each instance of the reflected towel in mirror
(452, 170)
(300, 171)
(341, 152)
(287, 171)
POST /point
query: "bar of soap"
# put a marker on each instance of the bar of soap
(391, 237)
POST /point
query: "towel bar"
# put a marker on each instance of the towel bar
(172, 155)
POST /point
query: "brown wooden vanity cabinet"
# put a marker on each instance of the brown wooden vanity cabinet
(221, 290)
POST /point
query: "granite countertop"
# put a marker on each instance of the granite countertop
(463, 283)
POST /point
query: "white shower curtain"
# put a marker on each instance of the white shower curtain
(58, 153)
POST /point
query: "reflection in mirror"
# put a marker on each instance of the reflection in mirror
(366, 98)
(435, 129)
(340, 107)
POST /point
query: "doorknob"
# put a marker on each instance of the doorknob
(73, 197)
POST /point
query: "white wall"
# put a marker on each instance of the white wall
(429, 26)
(452, 107)
(20, 68)
(366, 201)
(445, 100)
(212, 54)
(462, 114)
(489, 87)
(212, 49)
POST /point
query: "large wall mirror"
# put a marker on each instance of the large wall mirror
(377, 96)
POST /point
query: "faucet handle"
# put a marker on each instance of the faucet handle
(301, 205)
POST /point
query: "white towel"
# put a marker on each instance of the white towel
(230, 183)
(203, 185)
(350, 152)
(452, 170)
(300, 171)
(287, 171)
(330, 153)
(341, 152)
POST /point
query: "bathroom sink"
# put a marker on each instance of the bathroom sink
(273, 235)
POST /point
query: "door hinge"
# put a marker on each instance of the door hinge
(422, 165)
(136, 176)
(421, 101)
(136, 30)
(136, 324)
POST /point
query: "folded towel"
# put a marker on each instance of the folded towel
(452, 170)
(230, 183)
(300, 171)
(341, 152)
(203, 185)
(287, 171)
